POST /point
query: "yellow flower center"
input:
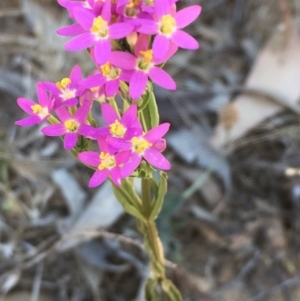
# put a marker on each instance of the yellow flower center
(117, 129)
(100, 28)
(107, 161)
(39, 110)
(140, 144)
(167, 25)
(71, 125)
(66, 92)
(63, 84)
(144, 61)
(109, 71)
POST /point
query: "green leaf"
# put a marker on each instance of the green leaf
(124, 200)
(151, 289)
(153, 110)
(158, 203)
(170, 290)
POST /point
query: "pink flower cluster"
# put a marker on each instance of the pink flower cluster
(128, 40)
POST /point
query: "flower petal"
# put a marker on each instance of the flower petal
(81, 42)
(71, 30)
(162, 7)
(42, 95)
(171, 51)
(156, 133)
(75, 76)
(131, 165)
(122, 60)
(89, 158)
(115, 175)
(129, 116)
(133, 132)
(87, 131)
(112, 87)
(29, 121)
(120, 144)
(122, 157)
(109, 114)
(184, 40)
(25, 104)
(93, 81)
(138, 83)
(63, 114)
(70, 140)
(120, 30)
(54, 130)
(149, 27)
(142, 44)
(162, 78)
(98, 177)
(102, 51)
(83, 17)
(155, 158)
(81, 114)
(161, 45)
(187, 15)
(51, 87)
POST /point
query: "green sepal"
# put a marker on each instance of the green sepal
(151, 289)
(170, 290)
(158, 202)
(125, 200)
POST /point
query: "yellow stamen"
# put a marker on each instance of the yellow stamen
(39, 110)
(36, 108)
(100, 27)
(147, 55)
(144, 62)
(109, 71)
(106, 68)
(63, 84)
(117, 129)
(107, 161)
(140, 144)
(71, 125)
(167, 25)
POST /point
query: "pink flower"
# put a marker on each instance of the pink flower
(125, 127)
(167, 27)
(109, 76)
(146, 147)
(38, 111)
(71, 126)
(107, 163)
(143, 66)
(97, 31)
(67, 90)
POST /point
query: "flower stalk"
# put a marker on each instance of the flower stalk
(129, 43)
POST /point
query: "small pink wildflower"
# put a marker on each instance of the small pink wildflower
(125, 127)
(98, 32)
(67, 90)
(143, 65)
(167, 27)
(144, 146)
(71, 126)
(39, 111)
(109, 76)
(108, 164)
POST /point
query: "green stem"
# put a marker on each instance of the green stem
(150, 227)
